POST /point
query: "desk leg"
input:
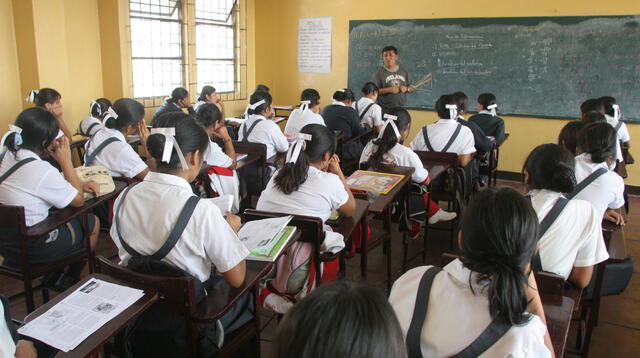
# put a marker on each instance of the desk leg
(387, 246)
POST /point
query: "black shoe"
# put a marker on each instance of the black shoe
(50, 280)
(65, 281)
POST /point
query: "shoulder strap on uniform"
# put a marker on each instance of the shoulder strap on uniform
(88, 132)
(453, 138)
(245, 132)
(116, 222)
(488, 337)
(545, 224)
(366, 109)
(90, 157)
(426, 139)
(15, 167)
(413, 340)
(618, 126)
(585, 183)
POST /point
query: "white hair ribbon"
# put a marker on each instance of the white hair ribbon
(390, 119)
(304, 105)
(294, 150)
(616, 111)
(31, 97)
(94, 103)
(492, 108)
(342, 90)
(453, 111)
(257, 104)
(170, 143)
(17, 140)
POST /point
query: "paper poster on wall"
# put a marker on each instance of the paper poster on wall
(314, 45)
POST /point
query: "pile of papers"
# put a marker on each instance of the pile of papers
(266, 238)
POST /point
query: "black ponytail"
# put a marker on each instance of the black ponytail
(46, 95)
(568, 137)
(100, 107)
(208, 115)
(344, 94)
(369, 88)
(499, 230)
(129, 112)
(39, 130)
(257, 97)
(388, 139)
(206, 91)
(599, 140)
(462, 101)
(486, 99)
(292, 175)
(551, 167)
(189, 134)
(441, 106)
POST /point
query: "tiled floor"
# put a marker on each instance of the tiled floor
(617, 335)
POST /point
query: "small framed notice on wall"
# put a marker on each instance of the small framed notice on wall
(314, 45)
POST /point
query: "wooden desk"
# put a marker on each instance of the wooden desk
(614, 238)
(379, 203)
(250, 159)
(557, 310)
(435, 168)
(94, 342)
(493, 160)
(67, 214)
(279, 109)
(346, 226)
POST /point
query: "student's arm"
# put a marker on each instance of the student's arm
(348, 208)
(614, 216)
(235, 276)
(62, 155)
(581, 276)
(535, 307)
(220, 104)
(64, 128)
(25, 349)
(464, 159)
(223, 134)
(140, 176)
(500, 137)
(392, 89)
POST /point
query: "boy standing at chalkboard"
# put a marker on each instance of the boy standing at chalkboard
(392, 80)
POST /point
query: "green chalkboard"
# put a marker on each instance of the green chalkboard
(541, 67)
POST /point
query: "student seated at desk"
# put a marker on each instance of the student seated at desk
(224, 179)
(388, 149)
(146, 214)
(208, 94)
(339, 116)
(487, 118)
(109, 147)
(258, 129)
(10, 345)
(369, 112)
(597, 148)
(568, 137)
(487, 285)
(446, 135)
(37, 186)
(340, 319)
(50, 100)
(573, 244)
(179, 99)
(97, 112)
(308, 113)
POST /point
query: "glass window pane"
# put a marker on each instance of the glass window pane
(214, 10)
(155, 77)
(153, 38)
(219, 74)
(214, 42)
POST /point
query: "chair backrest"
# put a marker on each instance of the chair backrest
(177, 294)
(311, 230)
(78, 146)
(550, 282)
(428, 158)
(251, 148)
(12, 216)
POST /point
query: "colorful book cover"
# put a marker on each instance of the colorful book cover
(272, 250)
(374, 182)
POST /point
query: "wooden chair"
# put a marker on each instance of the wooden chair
(343, 143)
(12, 219)
(379, 236)
(177, 294)
(312, 231)
(78, 147)
(260, 167)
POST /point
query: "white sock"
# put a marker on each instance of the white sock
(442, 215)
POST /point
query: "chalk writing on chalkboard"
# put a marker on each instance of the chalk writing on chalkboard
(543, 67)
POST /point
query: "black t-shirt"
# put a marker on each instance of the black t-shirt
(383, 78)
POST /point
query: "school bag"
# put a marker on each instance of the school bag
(159, 333)
(496, 329)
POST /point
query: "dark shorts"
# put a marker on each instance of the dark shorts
(58, 244)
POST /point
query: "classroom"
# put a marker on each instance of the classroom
(283, 194)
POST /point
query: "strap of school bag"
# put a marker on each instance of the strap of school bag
(426, 139)
(177, 231)
(485, 340)
(452, 139)
(414, 333)
(585, 183)
(90, 157)
(366, 109)
(15, 167)
(545, 224)
(618, 126)
(245, 132)
(90, 128)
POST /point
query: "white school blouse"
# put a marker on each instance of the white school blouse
(150, 212)
(604, 193)
(90, 122)
(36, 186)
(318, 196)
(373, 116)
(623, 132)
(575, 237)
(456, 316)
(7, 346)
(298, 119)
(399, 155)
(440, 133)
(266, 132)
(119, 157)
(215, 156)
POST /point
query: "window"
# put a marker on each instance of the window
(178, 43)
(156, 47)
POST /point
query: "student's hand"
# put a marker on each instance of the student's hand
(615, 217)
(410, 89)
(394, 89)
(91, 187)
(62, 151)
(403, 89)
(222, 133)
(233, 221)
(25, 349)
(334, 165)
(143, 132)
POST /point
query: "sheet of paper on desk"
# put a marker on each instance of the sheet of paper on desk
(83, 312)
(235, 120)
(278, 119)
(260, 232)
(284, 108)
(223, 202)
(98, 174)
(240, 156)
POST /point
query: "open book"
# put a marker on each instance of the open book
(374, 182)
(98, 174)
(266, 238)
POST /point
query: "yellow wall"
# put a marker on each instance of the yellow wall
(276, 46)
(10, 89)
